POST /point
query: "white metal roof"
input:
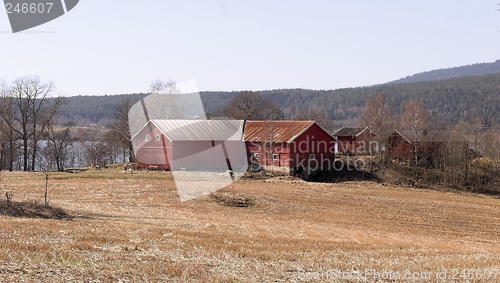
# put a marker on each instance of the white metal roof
(201, 130)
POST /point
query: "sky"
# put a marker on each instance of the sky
(115, 46)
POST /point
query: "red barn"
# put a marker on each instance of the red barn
(293, 147)
(191, 145)
(352, 140)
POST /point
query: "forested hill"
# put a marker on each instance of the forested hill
(95, 109)
(451, 100)
(456, 72)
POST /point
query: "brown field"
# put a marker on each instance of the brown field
(133, 228)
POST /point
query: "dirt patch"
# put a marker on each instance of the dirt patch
(255, 175)
(285, 179)
(232, 199)
(32, 210)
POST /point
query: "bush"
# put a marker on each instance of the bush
(30, 209)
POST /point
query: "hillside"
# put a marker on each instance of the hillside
(451, 100)
(95, 109)
(479, 69)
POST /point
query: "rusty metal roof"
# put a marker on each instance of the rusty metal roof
(201, 130)
(282, 131)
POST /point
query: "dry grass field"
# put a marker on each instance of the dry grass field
(133, 228)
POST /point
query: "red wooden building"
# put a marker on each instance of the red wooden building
(191, 145)
(401, 144)
(353, 140)
(292, 147)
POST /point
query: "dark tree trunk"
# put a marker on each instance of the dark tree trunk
(131, 154)
(25, 155)
(33, 159)
(11, 153)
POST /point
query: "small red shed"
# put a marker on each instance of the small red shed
(292, 147)
(352, 140)
(401, 144)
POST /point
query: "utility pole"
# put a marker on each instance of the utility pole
(415, 147)
(370, 150)
(271, 145)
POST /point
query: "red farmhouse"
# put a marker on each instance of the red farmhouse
(292, 147)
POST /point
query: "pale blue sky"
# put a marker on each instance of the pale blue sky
(113, 46)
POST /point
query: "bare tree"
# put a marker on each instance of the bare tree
(476, 128)
(315, 114)
(491, 151)
(31, 114)
(58, 144)
(249, 105)
(456, 155)
(164, 101)
(119, 130)
(97, 152)
(45, 113)
(3, 142)
(291, 112)
(377, 116)
(8, 135)
(414, 117)
(4, 138)
(159, 86)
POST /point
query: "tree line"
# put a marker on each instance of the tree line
(461, 155)
(25, 120)
(32, 139)
(33, 136)
(479, 69)
(452, 100)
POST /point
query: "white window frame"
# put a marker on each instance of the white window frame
(158, 138)
(148, 137)
(256, 155)
(275, 156)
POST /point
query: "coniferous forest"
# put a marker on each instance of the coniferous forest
(449, 100)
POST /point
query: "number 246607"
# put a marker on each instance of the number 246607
(31, 8)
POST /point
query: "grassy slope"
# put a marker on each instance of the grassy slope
(133, 228)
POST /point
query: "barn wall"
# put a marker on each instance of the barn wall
(397, 147)
(353, 144)
(295, 155)
(208, 155)
(347, 144)
(313, 141)
(363, 143)
(404, 150)
(152, 152)
(264, 154)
